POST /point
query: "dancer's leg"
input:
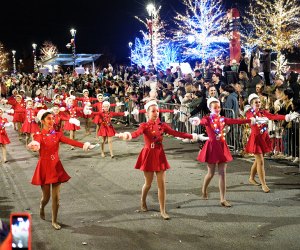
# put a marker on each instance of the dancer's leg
(146, 187)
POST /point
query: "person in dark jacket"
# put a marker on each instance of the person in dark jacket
(256, 78)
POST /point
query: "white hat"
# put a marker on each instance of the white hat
(71, 91)
(28, 99)
(150, 103)
(22, 90)
(85, 90)
(251, 97)
(105, 103)
(41, 113)
(56, 95)
(19, 96)
(99, 95)
(212, 99)
(63, 86)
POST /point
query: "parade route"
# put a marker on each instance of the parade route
(99, 206)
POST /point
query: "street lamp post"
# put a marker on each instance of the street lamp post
(14, 61)
(73, 33)
(34, 45)
(151, 9)
(130, 47)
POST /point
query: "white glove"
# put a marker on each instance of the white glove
(253, 120)
(73, 97)
(74, 121)
(126, 113)
(292, 116)
(10, 111)
(36, 99)
(135, 111)
(261, 120)
(124, 136)
(62, 109)
(88, 146)
(201, 137)
(119, 104)
(8, 124)
(34, 146)
(195, 121)
(105, 98)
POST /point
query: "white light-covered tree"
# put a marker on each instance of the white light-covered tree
(140, 53)
(276, 26)
(202, 25)
(48, 51)
(3, 59)
(169, 53)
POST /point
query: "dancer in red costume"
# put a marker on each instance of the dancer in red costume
(152, 158)
(106, 130)
(72, 124)
(18, 111)
(30, 125)
(215, 151)
(58, 118)
(86, 102)
(3, 135)
(40, 100)
(98, 107)
(259, 141)
(49, 170)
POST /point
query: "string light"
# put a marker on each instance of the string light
(48, 51)
(3, 59)
(276, 26)
(202, 27)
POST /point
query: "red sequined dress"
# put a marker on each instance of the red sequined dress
(3, 135)
(259, 141)
(30, 125)
(215, 149)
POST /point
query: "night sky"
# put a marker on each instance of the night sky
(103, 27)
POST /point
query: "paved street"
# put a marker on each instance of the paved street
(99, 205)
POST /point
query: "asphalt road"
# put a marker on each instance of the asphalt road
(99, 205)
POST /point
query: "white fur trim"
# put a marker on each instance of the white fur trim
(74, 121)
(253, 120)
(128, 134)
(85, 90)
(40, 114)
(86, 146)
(99, 95)
(210, 100)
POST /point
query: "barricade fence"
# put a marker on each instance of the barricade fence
(284, 136)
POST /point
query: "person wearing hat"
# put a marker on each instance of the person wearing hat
(215, 151)
(30, 125)
(72, 124)
(86, 101)
(4, 140)
(58, 101)
(98, 108)
(152, 158)
(40, 100)
(259, 141)
(18, 111)
(49, 172)
(106, 130)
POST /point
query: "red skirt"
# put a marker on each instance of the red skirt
(108, 131)
(215, 151)
(4, 138)
(69, 126)
(49, 172)
(152, 159)
(30, 127)
(259, 144)
(19, 117)
(96, 119)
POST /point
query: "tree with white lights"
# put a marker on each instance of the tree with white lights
(140, 53)
(201, 26)
(3, 59)
(276, 26)
(48, 51)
